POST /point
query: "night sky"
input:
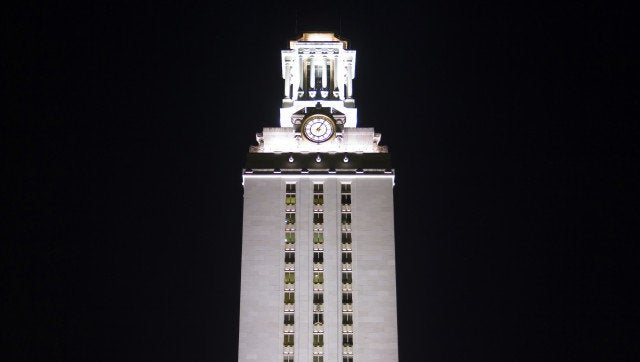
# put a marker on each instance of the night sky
(127, 128)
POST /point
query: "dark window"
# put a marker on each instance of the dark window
(318, 318)
(346, 257)
(347, 278)
(347, 340)
(290, 218)
(318, 199)
(346, 238)
(347, 318)
(318, 257)
(290, 257)
(318, 298)
(346, 218)
(346, 199)
(288, 318)
(317, 188)
(291, 188)
(318, 218)
(345, 188)
(347, 298)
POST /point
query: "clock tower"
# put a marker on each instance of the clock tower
(318, 260)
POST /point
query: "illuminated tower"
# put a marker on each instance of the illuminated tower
(318, 259)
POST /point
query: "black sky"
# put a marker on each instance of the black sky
(128, 126)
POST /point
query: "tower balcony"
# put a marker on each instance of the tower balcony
(318, 266)
(318, 307)
(347, 307)
(347, 287)
(289, 328)
(289, 266)
(318, 328)
(288, 350)
(346, 266)
(318, 286)
(346, 246)
(289, 246)
(347, 350)
(347, 328)
(289, 307)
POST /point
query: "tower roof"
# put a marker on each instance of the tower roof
(318, 37)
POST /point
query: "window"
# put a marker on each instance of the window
(289, 277)
(346, 238)
(347, 298)
(347, 278)
(347, 359)
(291, 188)
(318, 318)
(318, 358)
(318, 298)
(346, 218)
(317, 188)
(290, 217)
(290, 237)
(318, 199)
(288, 340)
(347, 340)
(288, 358)
(318, 340)
(346, 257)
(345, 188)
(318, 218)
(318, 238)
(318, 257)
(289, 257)
(346, 199)
(318, 277)
(289, 297)
(288, 318)
(347, 318)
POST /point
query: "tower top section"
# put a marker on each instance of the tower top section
(318, 68)
(316, 38)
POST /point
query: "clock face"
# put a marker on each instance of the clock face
(318, 128)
